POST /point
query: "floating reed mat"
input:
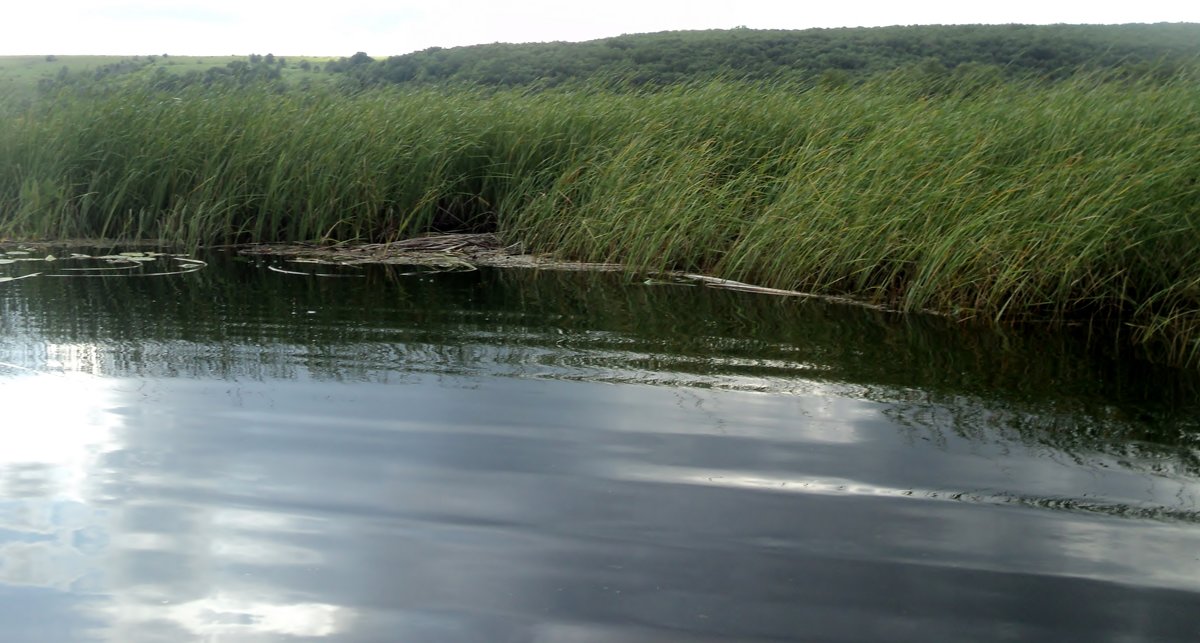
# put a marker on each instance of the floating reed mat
(467, 251)
(452, 251)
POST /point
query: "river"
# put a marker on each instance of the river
(390, 454)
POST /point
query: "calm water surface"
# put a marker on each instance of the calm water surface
(236, 454)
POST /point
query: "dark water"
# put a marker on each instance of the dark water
(241, 455)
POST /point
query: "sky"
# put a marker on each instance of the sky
(391, 27)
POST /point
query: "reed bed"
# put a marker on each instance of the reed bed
(1075, 201)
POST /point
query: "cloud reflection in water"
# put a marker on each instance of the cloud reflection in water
(63, 445)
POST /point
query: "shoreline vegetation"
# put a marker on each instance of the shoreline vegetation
(1072, 201)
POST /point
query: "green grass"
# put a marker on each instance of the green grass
(1070, 202)
(20, 75)
(30, 68)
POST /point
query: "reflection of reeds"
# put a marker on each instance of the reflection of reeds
(1017, 201)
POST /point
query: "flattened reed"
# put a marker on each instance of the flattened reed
(1064, 202)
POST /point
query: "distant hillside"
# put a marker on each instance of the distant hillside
(950, 53)
(22, 77)
(667, 57)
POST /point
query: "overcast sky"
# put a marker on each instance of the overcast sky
(387, 27)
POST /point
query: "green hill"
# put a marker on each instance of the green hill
(830, 55)
(22, 76)
(667, 57)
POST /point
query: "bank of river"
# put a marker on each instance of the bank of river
(1015, 201)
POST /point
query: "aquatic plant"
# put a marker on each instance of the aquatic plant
(1074, 201)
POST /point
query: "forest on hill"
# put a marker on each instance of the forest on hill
(1052, 51)
(941, 54)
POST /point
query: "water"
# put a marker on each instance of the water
(236, 454)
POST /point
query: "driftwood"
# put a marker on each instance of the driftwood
(729, 284)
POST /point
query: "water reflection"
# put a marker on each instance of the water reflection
(221, 617)
(73, 519)
(507, 456)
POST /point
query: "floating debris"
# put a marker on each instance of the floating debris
(309, 274)
(7, 279)
(133, 266)
(126, 263)
(466, 251)
(447, 252)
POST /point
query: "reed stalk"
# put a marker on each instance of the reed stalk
(1062, 202)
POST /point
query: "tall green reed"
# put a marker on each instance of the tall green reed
(1071, 201)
